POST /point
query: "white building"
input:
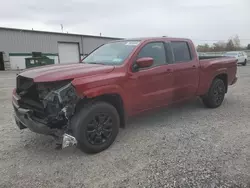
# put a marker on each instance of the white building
(18, 44)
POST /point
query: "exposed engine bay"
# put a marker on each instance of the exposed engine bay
(50, 103)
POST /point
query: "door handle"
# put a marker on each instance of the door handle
(193, 66)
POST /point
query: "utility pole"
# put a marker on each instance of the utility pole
(62, 27)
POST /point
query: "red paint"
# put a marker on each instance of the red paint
(146, 89)
(65, 71)
(145, 62)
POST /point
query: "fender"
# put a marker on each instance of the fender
(220, 71)
(216, 73)
(102, 90)
(206, 83)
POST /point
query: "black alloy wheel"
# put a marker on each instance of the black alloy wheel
(99, 129)
(95, 126)
(219, 92)
(215, 95)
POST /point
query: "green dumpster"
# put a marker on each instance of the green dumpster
(38, 61)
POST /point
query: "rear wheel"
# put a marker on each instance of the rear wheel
(96, 127)
(215, 95)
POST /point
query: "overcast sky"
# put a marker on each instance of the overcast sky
(201, 20)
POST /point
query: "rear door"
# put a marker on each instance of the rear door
(186, 70)
(152, 86)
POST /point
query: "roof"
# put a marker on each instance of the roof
(151, 39)
(155, 38)
(57, 33)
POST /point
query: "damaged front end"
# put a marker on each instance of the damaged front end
(45, 108)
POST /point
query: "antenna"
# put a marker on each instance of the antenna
(62, 27)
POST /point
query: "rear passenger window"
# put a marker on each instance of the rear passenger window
(181, 51)
(155, 50)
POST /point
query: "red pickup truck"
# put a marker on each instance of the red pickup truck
(86, 103)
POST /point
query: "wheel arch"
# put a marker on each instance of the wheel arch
(224, 78)
(115, 99)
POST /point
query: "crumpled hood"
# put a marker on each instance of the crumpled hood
(66, 71)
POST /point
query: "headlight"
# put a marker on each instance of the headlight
(62, 95)
(23, 83)
(61, 101)
(45, 88)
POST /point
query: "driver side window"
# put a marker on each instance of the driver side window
(156, 51)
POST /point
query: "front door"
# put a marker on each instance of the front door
(152, 86)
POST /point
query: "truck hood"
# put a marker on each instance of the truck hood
(66, 71)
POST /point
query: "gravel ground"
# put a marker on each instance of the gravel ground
(182, 146)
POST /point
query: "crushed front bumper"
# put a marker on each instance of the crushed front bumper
(23, 120)
(49, 116)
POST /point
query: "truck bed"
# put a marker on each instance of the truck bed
(209, 57)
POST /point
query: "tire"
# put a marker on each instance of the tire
(215, 95)
(98, 120)
(244, 63)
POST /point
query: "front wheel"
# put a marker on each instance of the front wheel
(215, 95)
(244, 63)
(96, 127)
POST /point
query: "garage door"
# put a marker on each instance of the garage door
(68, 52)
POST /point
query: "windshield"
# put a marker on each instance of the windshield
(112, 53)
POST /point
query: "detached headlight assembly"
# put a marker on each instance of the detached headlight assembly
(46, 87)
(61, 96)
(58, 97)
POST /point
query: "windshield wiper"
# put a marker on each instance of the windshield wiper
(96, 63)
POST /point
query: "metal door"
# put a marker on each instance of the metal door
(68, 52)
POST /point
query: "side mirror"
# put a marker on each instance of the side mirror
(144, 62)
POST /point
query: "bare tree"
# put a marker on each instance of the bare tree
(248, 46)
(203, 48)
(219, 46)
(230, 45)
(236, 41)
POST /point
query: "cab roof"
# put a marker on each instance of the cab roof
(153, 38)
